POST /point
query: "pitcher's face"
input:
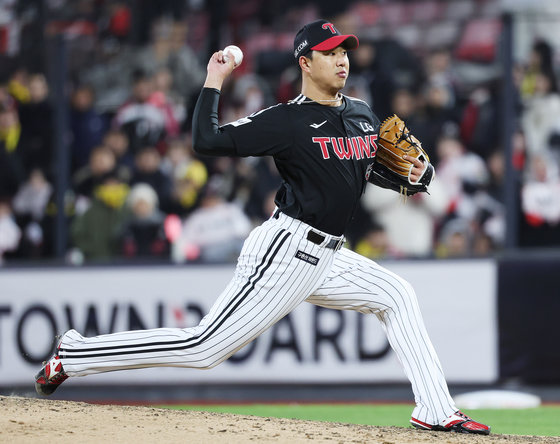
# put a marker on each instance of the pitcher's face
(329, 69)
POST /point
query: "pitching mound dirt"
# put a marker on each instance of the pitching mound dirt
(28, 420)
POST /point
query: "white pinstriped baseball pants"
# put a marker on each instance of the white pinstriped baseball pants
(270, 280)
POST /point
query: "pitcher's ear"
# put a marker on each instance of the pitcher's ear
(304, 63)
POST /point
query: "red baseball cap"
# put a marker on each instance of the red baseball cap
(321, 35)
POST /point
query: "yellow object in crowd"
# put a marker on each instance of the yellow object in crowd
(19, 91)
(10, 137)
(113, 195)
(195, 172)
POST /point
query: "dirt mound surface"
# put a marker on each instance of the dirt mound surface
(30, 420)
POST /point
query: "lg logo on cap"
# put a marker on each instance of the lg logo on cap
(330, 26)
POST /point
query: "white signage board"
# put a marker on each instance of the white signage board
(315, 345)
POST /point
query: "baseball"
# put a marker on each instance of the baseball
(234, 51)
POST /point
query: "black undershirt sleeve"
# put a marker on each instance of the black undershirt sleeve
(208, 138)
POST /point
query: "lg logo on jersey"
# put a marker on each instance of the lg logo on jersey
(359, 147)
(366, 127)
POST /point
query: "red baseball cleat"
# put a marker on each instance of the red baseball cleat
(457, 422)
(50, 376)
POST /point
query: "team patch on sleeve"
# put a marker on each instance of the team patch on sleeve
(239, 122)
(307, 258)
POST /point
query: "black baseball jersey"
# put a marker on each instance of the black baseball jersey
(323, 154)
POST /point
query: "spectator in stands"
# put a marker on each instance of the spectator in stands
(95, 233)
(405, 104)
(475, 199)
(375, 244)
(147, 169)
(467, 179)
(541, 60)
(439, 71)
(393, 216)
(10, 130)
(541, 116)
(478, 120)
(10, 233)
(264, 181)
(376, 73)
(169, 101)
(386, 65)
(358, 88)
(215, 231)
(102, 161)
(493, 221)
(540, 202)
(110, 77)
(86, 124)
(455, 239)
(453, 155)
(289, 84)
(188, 175)
(225, 169)
(519, 146)
(117, 141)
(36, 117)
(252, 93)
(168, 48)
(18, 86)
(12, 172)
(496, 168)
(120, 20)
(143, 121)
(29, 205)
(32, 197)
(441, 115)
(143, 235)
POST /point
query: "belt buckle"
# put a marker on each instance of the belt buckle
(339, 244)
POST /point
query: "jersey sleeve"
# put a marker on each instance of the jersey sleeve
(208, 139)
(266, 132)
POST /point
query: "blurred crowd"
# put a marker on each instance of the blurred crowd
(137, 190)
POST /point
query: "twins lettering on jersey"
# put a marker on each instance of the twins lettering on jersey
(358, 147)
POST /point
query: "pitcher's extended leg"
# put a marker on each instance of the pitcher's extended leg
(356, 283)
(270, 281)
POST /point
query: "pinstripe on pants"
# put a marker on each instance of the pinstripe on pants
(269, 282)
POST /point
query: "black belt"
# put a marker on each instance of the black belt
(318, 238)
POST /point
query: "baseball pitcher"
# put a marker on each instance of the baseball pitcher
(327, 147)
